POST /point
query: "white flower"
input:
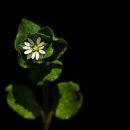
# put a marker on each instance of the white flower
(35, 49)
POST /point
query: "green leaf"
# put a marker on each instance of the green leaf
(50, 71)
(22, 62)
(59, 47)
(69, 101)
(22, 100)
(47, 31)
(59, 44)
(44, 37)
(25, 27)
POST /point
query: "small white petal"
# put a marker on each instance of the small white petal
(37, 55)
(42, 47)
(33, 55)
(38, 40)
(42, 43)
(42, 52)
(27, 47)
(28, 51)
(27, 43)
(30, 40)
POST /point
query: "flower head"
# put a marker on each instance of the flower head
(35, 49)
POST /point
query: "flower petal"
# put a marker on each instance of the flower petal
(42, 52)
(28, 51)
(27, 43)
(37, 55)
(42, 43)
(27, 47)
(33, 55)
(38, 40)
(41, 47)
(30, 40)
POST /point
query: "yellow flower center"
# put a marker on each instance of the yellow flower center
(36, 48)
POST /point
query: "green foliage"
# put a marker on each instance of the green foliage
(59, 46)
(22, 100)
(25, 27)
(22, 62)
(47, 31)
(50, 71)
(69, 101)
(39, 52)
(54, 48)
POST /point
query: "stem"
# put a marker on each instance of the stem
(48, 113)
(47, 121)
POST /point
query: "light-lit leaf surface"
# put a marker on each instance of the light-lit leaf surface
(47, 31)
(25, 27)
(22, 100)
(69, 101)
(59, 47)
(22, 62)
(50, 71)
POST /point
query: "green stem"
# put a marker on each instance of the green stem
(48, 113)
(47, 122)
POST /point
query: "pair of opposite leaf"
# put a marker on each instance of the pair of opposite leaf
(40, 50)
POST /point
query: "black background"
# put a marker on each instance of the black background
(89, 61)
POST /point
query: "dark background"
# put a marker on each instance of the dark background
(89, 61)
